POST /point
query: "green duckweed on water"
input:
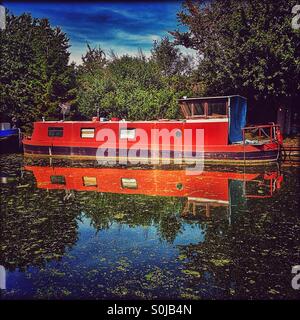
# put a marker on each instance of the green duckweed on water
(71, 244)
(191, 273)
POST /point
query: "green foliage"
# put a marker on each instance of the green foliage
(134, 88)
(34, 75)
(94, 59)
(170, 59)
(247, 47)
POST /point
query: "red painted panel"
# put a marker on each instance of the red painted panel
(215, 133)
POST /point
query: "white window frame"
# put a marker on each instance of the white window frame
(88, 134)
(87, 181)
(128, 133)
(129, 183)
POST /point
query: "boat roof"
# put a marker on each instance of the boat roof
(137, 121)
(208, 98)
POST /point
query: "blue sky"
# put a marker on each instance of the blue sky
(121, 26)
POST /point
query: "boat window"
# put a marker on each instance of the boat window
(193, 109)
(216, 109)
(87, 132)
(58, 180)
(128, 183)
(127, 133)
(55, 131)
(90, 181)
(199, 109)
(188, 108)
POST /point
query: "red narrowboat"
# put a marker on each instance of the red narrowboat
(213, 129)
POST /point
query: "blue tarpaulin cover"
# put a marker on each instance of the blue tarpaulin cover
(238, 111)
(9, 132)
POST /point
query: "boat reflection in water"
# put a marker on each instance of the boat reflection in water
(205, 192)
(75, 230)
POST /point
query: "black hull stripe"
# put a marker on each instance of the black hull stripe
(92, 152)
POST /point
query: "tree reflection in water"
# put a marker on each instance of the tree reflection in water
(36, 226)
(245, 238)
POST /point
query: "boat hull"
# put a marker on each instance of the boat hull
(221, 154)
(9, 143)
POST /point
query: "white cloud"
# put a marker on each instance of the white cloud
(146, 38)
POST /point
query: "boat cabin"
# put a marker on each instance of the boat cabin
(231, 109)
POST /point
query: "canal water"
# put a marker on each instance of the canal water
(76, 230)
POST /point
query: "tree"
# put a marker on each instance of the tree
(128, 87)
(246, 47)
(35, 75)
(93, 82)
(170, 59)
(94, 59)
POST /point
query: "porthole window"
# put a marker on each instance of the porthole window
(178, 133)
(179, 186)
